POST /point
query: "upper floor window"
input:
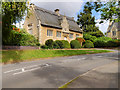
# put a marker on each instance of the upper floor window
(77, 35)
(71, 35)
(49, 32)
(114, 33)
(30, 26)
(58, 34)
(30, 31)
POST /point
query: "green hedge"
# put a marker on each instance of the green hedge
(22, 39)
(49, 43)
(66, 44)
(88, 44)
(75, 44)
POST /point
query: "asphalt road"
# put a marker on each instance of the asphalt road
(53, 73)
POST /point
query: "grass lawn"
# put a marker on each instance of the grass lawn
(12, 56)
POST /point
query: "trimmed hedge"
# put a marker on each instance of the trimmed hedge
(66, 44)
(60, 44)
(88, 44)
(49, 43)
(75, 44)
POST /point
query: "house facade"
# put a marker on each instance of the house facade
(113, 30)
(45, 24)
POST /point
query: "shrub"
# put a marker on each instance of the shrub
(75, 44)
(112, 43)
(55, 45)
(88, 44)
(89, 37)
(66, 44)
(49, 43)
(60, 44)
(21, 39)
(100, 43)
(44, 47)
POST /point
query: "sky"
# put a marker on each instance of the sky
(71, 9)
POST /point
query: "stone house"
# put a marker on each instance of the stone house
(113, 30)
(45, 24)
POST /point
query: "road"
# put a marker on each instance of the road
(54, 72)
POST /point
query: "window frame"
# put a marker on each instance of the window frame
(59, 36)
(48, 33)
(71, 34)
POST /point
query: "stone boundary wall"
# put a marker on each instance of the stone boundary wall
(19, 47)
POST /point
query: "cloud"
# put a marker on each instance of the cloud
(104, 26)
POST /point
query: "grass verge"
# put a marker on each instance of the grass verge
(13, 56)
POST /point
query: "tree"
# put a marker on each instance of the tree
(85, 18)
(109, 10)
(11, 13)
(87, 21)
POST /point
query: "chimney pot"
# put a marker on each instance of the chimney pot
(57, 12)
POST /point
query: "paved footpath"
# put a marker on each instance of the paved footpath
(105, 76)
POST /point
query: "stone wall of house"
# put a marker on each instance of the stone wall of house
(44, 36)
(31, 20)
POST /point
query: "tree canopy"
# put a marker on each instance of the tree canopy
(87, 21)
(11, 13)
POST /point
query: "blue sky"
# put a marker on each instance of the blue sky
(71, 9)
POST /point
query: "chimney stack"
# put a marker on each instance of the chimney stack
(57, 12)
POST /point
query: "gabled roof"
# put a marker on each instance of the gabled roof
(49, 18)
(117, 24)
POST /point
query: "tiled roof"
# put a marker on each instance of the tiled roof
(50, 18)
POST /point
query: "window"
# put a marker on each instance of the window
(114, 33)
(30, 31)
(49, 32)
(71, 35)
(77, 35)
(58, 34)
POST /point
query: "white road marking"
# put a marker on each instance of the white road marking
(30, 69)
(23, 68)
(26, 71)
(99, 56)
(83, 58)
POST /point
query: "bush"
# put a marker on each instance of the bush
(88, 44)
(66, 44)
(89, 37)
(44, 47)
(60, 44)
(112, 43)
(100, 43)
(21, 39)
(55, 45)
(75, 44)
(49, 43)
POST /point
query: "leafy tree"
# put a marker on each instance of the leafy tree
(85, 18)
(87, 21)
(109, 10)
(11, 13)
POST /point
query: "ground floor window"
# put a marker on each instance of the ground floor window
(71, 35)
(30, 31)
(114, 33)
(49, 32)
(77, 35)
(58, 34)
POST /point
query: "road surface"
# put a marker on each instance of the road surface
(55, 72)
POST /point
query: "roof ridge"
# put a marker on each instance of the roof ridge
(53, 13)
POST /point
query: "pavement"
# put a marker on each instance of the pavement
(55, 72)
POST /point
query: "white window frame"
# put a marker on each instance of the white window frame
(71, 35)
(49, 33)
(58, 34)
